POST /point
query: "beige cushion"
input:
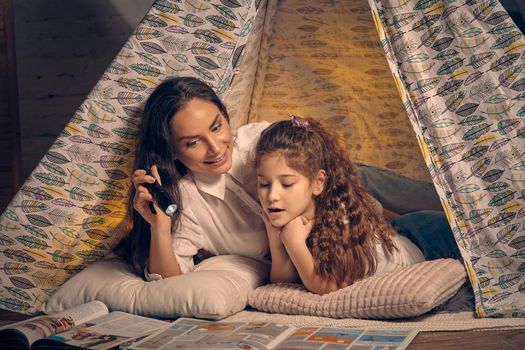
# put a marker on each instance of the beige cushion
(406, 292)
(217, 288)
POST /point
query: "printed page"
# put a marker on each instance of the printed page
(109, 331)
(43, 326)
(325, 338)
(86, 312)
(188, 333)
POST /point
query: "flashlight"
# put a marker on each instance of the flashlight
(162, 197)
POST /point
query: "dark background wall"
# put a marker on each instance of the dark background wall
(62, 49)
(52, 52)
(9, 149)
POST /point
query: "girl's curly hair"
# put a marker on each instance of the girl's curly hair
(347, 228)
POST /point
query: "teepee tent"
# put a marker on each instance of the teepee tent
(457, 65)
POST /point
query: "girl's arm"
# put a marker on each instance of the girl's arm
(282, 269)
(304, 262)
(294, 240)
(162, 259)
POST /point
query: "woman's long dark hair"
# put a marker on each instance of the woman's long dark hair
(154, 148)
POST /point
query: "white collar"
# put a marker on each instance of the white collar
(214, 185)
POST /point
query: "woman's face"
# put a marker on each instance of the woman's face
(201, 138)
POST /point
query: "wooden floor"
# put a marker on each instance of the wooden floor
(479, 340)
(464, 340)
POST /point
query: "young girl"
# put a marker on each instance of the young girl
(322, 226)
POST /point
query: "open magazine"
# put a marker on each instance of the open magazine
(187, 333)
(87, 326)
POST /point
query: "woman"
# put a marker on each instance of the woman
(189, 147)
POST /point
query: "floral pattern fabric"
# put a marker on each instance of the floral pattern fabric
(460, 69)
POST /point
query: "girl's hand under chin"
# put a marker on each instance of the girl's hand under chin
(296, 231)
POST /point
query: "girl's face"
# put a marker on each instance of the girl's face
(284, 192)
(201, 138)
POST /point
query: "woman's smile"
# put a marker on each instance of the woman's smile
(218, 161)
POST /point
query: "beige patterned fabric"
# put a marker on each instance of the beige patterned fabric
(407, 292)
(237, 98)
(460, 70)
(324, 60)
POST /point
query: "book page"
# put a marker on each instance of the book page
(43, 326)
(108, 331)
(88, 311)
(326, 338)
(186, 333)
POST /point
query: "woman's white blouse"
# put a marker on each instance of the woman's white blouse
(221, 213)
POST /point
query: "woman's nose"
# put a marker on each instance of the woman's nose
(213, 146)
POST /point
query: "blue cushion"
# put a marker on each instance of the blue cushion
(430, 231)
(399, 193)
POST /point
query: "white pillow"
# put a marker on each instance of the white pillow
(217, 288)
(406, 292)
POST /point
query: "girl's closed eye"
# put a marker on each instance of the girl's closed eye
(288, 185)
(263, 184)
